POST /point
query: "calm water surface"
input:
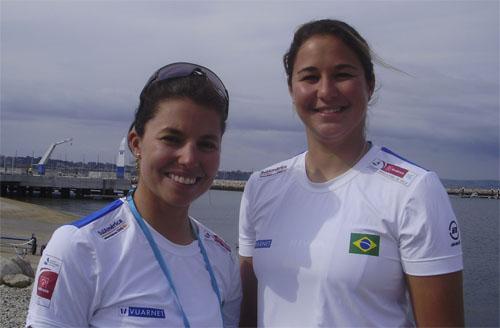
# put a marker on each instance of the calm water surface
(479, 224)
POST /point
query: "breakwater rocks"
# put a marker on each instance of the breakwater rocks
(16, 272)
(235, 185)
(474, 193)
(229, 185)
(16, 277)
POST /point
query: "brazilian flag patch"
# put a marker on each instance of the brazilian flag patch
(364, 244)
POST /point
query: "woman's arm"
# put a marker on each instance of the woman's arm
(437, 300)
(65, 282)
(248, 316)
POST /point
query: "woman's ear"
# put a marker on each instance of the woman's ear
(134, 142)
(290, 92)
(371, 89)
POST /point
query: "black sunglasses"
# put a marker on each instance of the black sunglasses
(182, 69)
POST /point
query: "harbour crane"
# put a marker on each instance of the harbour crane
(45, 157)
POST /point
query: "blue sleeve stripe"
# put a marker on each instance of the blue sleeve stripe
(402, 158)
(98, 214)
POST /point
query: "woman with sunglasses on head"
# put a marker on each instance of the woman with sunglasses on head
(142, 260)
(347, 233)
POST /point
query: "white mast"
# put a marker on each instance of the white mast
(120, 160)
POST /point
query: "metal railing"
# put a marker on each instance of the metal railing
(21, 245)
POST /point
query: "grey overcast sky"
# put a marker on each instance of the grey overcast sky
(75, 69)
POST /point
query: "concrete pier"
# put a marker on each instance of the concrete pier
(81, 187)
(46, 186)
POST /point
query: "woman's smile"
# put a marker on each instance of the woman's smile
(185, 180)
(328, 111)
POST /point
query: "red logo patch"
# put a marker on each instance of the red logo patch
(46, 284)
(218, 240)
(222, 243)
(395, 170)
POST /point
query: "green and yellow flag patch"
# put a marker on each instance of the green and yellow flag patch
(364, 244)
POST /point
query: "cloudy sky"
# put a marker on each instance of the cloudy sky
(75, 69)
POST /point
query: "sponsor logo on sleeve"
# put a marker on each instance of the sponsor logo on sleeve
(393, 171)
(112, 229)
(364, 244)
(454, 233)
(219, 241)
(142, 312)
(263, 243)
(47, 279)
(273, 171)
(46, 284)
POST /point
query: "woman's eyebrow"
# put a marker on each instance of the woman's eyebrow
(342, 66)
(171, 130)
(308, 69)
(311, 69)
(177, 132)
(212, 137)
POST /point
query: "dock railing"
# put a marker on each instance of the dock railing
(21, 246)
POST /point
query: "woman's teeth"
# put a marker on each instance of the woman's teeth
(331, 110)
(183, 180)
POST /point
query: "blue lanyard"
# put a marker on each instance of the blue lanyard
(163, 264)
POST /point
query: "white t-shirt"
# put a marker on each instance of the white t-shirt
(101, 272)
(335, 253)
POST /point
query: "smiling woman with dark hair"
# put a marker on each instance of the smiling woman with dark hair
(142, 261)
(347, 233)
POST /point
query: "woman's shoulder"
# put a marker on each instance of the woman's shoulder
(211, 239)
(385, 164)
(277, 172)
(102, 224)
(98, 215)
(400, 178)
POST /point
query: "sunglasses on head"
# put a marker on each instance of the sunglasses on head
(181, 69)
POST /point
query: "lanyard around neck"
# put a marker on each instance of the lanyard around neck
(163, 264)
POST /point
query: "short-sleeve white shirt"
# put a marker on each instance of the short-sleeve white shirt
(335, 253)
(101, 272)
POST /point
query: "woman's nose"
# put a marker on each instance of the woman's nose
(327, 89)
(188, 155)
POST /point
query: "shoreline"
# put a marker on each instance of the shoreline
(21, 219)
